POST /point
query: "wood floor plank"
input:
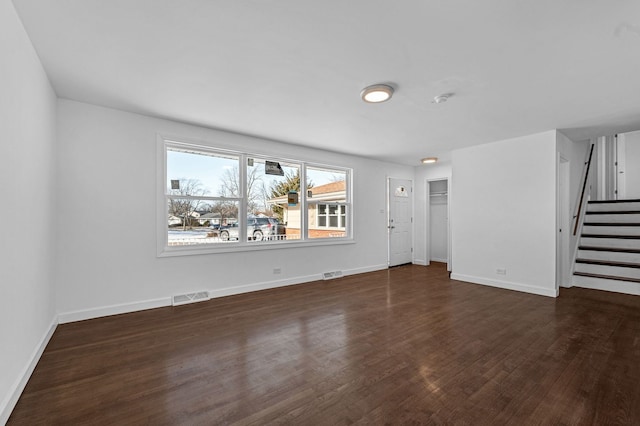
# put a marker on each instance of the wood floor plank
(401, 346)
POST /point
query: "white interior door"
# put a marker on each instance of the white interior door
(628, 165)
(400, 199)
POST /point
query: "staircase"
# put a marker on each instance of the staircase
(609, 247)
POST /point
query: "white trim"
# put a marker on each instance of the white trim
(233, 246)
(427, 219)
(434, 259)
(230, 291)
(508, 285)
(104, 311)
(420, 262)
(9, 403)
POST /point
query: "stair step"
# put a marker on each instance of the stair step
(618, 241)
(608, 268)
(607, 277)
(614, 201)
(598, 253)
(591, 212)
(610, 229)
(613, 206)
(612, 217)
(611, 224)
(604, 282)
(613, 249)
(623, 237)
(608, 263)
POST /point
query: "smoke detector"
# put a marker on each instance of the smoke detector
(440, 99)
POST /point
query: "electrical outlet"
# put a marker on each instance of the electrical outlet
(501, 271)
(277, 270)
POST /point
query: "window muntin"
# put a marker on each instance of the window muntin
(217, 199)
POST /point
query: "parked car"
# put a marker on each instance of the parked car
(258, 229)
(229, 232)
(265, 228)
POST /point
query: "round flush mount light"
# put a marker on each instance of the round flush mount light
(429, 160)
(377, 93)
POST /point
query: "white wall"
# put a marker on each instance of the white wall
(503, 213)
(107, 199)
(423, 173)
(632, 169)
(27, 124)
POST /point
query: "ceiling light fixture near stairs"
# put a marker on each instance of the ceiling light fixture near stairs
(377, 93)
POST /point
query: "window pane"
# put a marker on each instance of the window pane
(202, 174)
(273, 187)
(326, 184)
(191, 222)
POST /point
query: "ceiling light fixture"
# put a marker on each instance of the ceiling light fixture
(440, 99)
(377, 93)
(429, 160)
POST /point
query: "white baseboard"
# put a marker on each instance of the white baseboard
(435, 259)
(419, 262)
(124, 308)
(9, 403)
(365, 269)
(508, 285)
(229, 291)
(104, 311)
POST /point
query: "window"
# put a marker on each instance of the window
(331, 216)
(328, 202)
(202, 195)
(222, 200)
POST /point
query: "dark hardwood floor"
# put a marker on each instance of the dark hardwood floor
(403, 346)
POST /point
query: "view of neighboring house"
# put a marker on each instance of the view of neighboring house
(203, 219)
(174, 220)
(327, 215)
(209, 218)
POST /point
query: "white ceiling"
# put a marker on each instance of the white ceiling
(292, 70)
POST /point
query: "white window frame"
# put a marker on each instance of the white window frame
(328, 216)
(163, 248)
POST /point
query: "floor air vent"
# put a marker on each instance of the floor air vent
(331, 275)
(182, 299)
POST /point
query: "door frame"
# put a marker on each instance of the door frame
(388, 203)
(563, 223)
(427, 225)
(621, 162)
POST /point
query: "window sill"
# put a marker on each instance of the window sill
(233, 247)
